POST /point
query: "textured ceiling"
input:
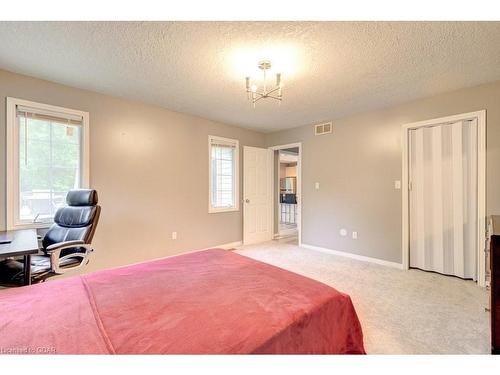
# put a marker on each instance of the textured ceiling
(330, 69)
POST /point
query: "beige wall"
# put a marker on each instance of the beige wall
(357, 165)
(150, 166)
(288, 170)
(282, 170)
(291, 171)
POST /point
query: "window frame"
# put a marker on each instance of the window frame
(12, 203)
(236, 176)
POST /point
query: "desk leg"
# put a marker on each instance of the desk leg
(27, 270)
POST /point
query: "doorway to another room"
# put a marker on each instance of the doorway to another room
(287, 193)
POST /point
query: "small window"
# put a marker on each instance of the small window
(223, 174)
(46, 157)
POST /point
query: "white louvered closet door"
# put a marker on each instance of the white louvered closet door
(443, 199)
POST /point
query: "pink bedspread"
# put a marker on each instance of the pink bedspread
(212, 301)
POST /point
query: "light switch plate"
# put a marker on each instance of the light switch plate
(316, 185)
(397, 184)
(354, 235)
(174, 235)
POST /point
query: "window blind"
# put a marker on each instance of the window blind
(49, 155)
(222, 143)
(39, 114)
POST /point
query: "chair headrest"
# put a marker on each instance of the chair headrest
(75, 216)
(82, 197)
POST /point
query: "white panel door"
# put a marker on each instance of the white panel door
(257, 195)
(443, 198)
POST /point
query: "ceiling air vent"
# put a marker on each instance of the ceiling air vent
(321, 129)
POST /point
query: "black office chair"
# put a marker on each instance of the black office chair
(66, 245)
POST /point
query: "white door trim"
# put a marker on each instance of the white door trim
(299, 185)
(481, 185)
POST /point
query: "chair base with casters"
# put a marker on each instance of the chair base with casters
(47, 265)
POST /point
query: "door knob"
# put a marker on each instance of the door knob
(247, 200)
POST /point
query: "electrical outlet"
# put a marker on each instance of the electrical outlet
(174, 235)
(343, 232)
(354, 235)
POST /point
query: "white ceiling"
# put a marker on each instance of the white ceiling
(330, 69)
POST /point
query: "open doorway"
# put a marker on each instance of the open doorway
(287, 193)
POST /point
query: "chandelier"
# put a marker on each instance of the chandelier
(273, 93)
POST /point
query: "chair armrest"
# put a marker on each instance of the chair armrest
(55, 259)
(66, 244)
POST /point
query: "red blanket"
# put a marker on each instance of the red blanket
(211, 301)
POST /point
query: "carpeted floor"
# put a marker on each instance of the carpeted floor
(401, 312)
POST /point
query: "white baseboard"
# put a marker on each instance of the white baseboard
(355, 256)
(230, 245)
(225, 246)
(280, 236)
(288, 232)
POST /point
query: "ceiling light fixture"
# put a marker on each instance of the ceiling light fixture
(274, 93)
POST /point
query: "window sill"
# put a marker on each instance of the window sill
(218, 210)
(29, 226)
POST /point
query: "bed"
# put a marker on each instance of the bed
(205, 302)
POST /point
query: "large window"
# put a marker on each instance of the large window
(47, 155)
(223, 174)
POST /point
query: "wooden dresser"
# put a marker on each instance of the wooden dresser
(495, 284)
